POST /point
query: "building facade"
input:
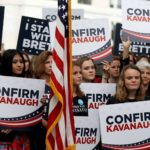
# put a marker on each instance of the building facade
(14, 9)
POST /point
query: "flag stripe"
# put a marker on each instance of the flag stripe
(58, 138)
(51, 138)
(61, 51)
(54, 113)
(59, 38)
(58, 62)
(57, 86)
(57, 73)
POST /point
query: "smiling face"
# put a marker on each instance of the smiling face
(88, 71)
(132, 79)
(17, 65)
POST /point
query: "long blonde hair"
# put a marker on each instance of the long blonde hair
(121, 91)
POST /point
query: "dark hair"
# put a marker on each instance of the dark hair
(116, 57)
(85, 58)
(134, 57)
(28, 73)
(7, 59)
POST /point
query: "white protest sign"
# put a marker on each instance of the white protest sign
(87, 127)
(91, 37)
(136, 15)
(51, 15)
(125, 126)
(136, 20)
(20, 104)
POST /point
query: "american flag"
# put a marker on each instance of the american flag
(60, 133)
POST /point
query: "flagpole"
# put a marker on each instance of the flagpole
(71, 147)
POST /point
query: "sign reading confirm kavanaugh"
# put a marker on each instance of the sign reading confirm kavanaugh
(125, 126)
(20, 105)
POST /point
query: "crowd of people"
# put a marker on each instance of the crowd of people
(131, 75)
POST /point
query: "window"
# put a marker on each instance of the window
(111, 3)
(119, 4)
(115, 4)
(85, 1)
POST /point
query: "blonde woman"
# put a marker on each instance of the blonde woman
(129, 87)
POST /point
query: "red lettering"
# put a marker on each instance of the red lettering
(89, 39)
(139, 125)
(109, 129)
(126, 127)
(115, 128)
(86, 140)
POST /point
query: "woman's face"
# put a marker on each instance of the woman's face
(48, 65)
(114, 69)
(26, 62)
(88, 71)
(17, 65)
(132, 79)
(131, 59)
(145, 76)
(77, 76)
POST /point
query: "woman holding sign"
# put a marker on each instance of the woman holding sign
(13, 65)
(43, 67)
(79, 100)
(130, 86)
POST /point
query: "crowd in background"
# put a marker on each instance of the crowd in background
(130, 73)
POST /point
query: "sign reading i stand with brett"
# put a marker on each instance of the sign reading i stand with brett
(138, 48)
(34, 35)
(1, 23)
